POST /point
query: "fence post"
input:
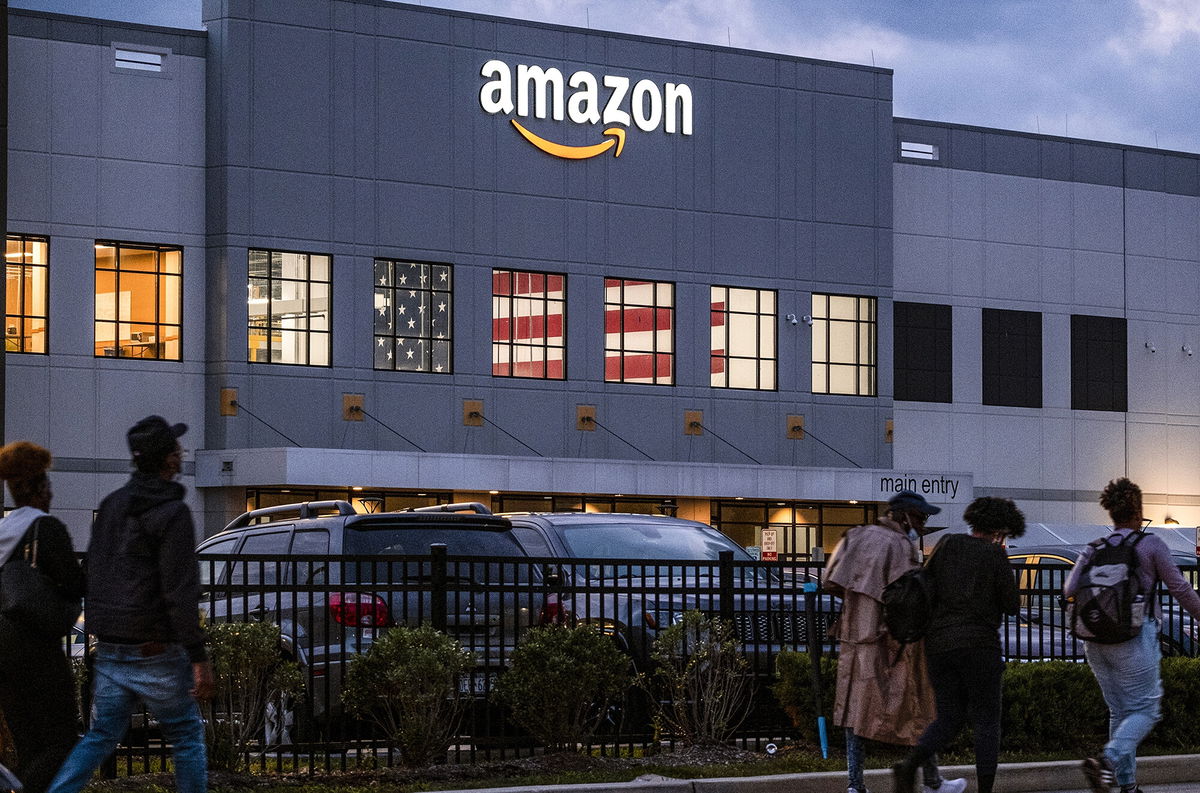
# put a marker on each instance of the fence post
(725, 566)
(437, 581)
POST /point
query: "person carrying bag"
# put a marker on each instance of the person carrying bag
(41, 584)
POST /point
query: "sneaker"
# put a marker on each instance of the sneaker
(1099, 774)
(9, 781)
(905, 777)
(947, 786)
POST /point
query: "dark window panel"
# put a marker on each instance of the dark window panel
(923, 347)
(1012, 358)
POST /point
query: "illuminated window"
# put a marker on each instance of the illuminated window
(639, 333)
(26, 261)
(743, 338)
(528, 332)
(289, 308)
(843, 345)
(413, 316)
(139, 300)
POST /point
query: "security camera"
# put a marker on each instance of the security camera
(806, 319)
(792, 319)
(1188, 350)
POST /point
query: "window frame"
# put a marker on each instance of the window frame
(623, 351)
(159, 275)
(512, 346)
(268, 328)
(761, 319)
(393, 340)
(821, 326)
(1000, 361)
(22, 319)
(930, 343)
(1096, 343)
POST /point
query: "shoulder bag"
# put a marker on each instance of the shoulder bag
(30, 598)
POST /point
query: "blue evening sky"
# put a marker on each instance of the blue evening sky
(1124, 71)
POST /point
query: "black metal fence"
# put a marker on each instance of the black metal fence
(332, 608)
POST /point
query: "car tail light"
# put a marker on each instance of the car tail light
(555, 613)
(359, 610)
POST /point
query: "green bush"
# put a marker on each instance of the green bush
(1052, 705)
(560, 683)
(794, 689)
(701, 681)
(250, 674)
(1048, 706)
(408, 684)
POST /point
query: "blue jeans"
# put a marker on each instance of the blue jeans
(121, 677)
(856, 760)
(1128, 674)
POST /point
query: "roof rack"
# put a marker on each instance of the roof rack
(462, 506)
(306, 509)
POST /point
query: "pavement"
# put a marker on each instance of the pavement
(1166, 774)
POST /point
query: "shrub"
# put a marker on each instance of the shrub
(1052, 705)
(561, 682)
(1179, 729)
(701, 681)
(250, 673)
(408, 684)
(794, 690)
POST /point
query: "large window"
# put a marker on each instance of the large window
(923, 352)
(1098, 363)
(139, 300)
(289, 308)
(413, 316)
(1012, 358)
(639, 331)
(26, 297)
(743, 338)
(528, 324)
(843, 345)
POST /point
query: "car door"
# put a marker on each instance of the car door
(256, 578)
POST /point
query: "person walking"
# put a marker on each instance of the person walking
(1128, 671)
(973, 588)
(143, 607)
(883, 692)
(37, 690)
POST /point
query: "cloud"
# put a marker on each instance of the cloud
(1165, 23)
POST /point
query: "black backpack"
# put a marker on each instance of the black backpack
(1109, 606)
(908, 606)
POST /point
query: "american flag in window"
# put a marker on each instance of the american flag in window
(639, 332)
(528, 324)
(413, 316)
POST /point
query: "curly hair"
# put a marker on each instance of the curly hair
(992, 515)
(1123, 500)
(23, 465)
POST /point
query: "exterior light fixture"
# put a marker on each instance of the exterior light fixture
(494, 492)
(1170, 521)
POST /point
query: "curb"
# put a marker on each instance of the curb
(1059, 775)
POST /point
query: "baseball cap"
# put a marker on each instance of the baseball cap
(908, 500)
(153, 437)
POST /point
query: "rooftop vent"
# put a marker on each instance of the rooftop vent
(134, 59)
(918, 151)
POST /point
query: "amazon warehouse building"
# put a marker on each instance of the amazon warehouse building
(404, 256)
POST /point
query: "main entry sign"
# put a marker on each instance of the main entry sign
(613, 100)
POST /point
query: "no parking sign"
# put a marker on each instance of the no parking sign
(770, 550)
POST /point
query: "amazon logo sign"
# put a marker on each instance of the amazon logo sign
(613, 100)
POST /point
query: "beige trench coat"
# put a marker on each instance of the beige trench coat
(878, 699)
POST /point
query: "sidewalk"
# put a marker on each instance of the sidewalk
(1011, 778)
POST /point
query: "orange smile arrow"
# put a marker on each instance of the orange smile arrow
(575, 152)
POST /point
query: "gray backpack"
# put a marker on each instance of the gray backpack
(1109, 606)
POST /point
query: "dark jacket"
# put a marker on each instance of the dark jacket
(56, 558)
(143, 581)
(974, 587)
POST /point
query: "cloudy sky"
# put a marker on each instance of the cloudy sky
(1124, 71)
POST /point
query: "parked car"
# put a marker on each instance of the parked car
(634, 575)
(1041, 630)
(329, 611)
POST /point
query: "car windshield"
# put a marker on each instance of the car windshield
(652, 541)
(416, 540)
